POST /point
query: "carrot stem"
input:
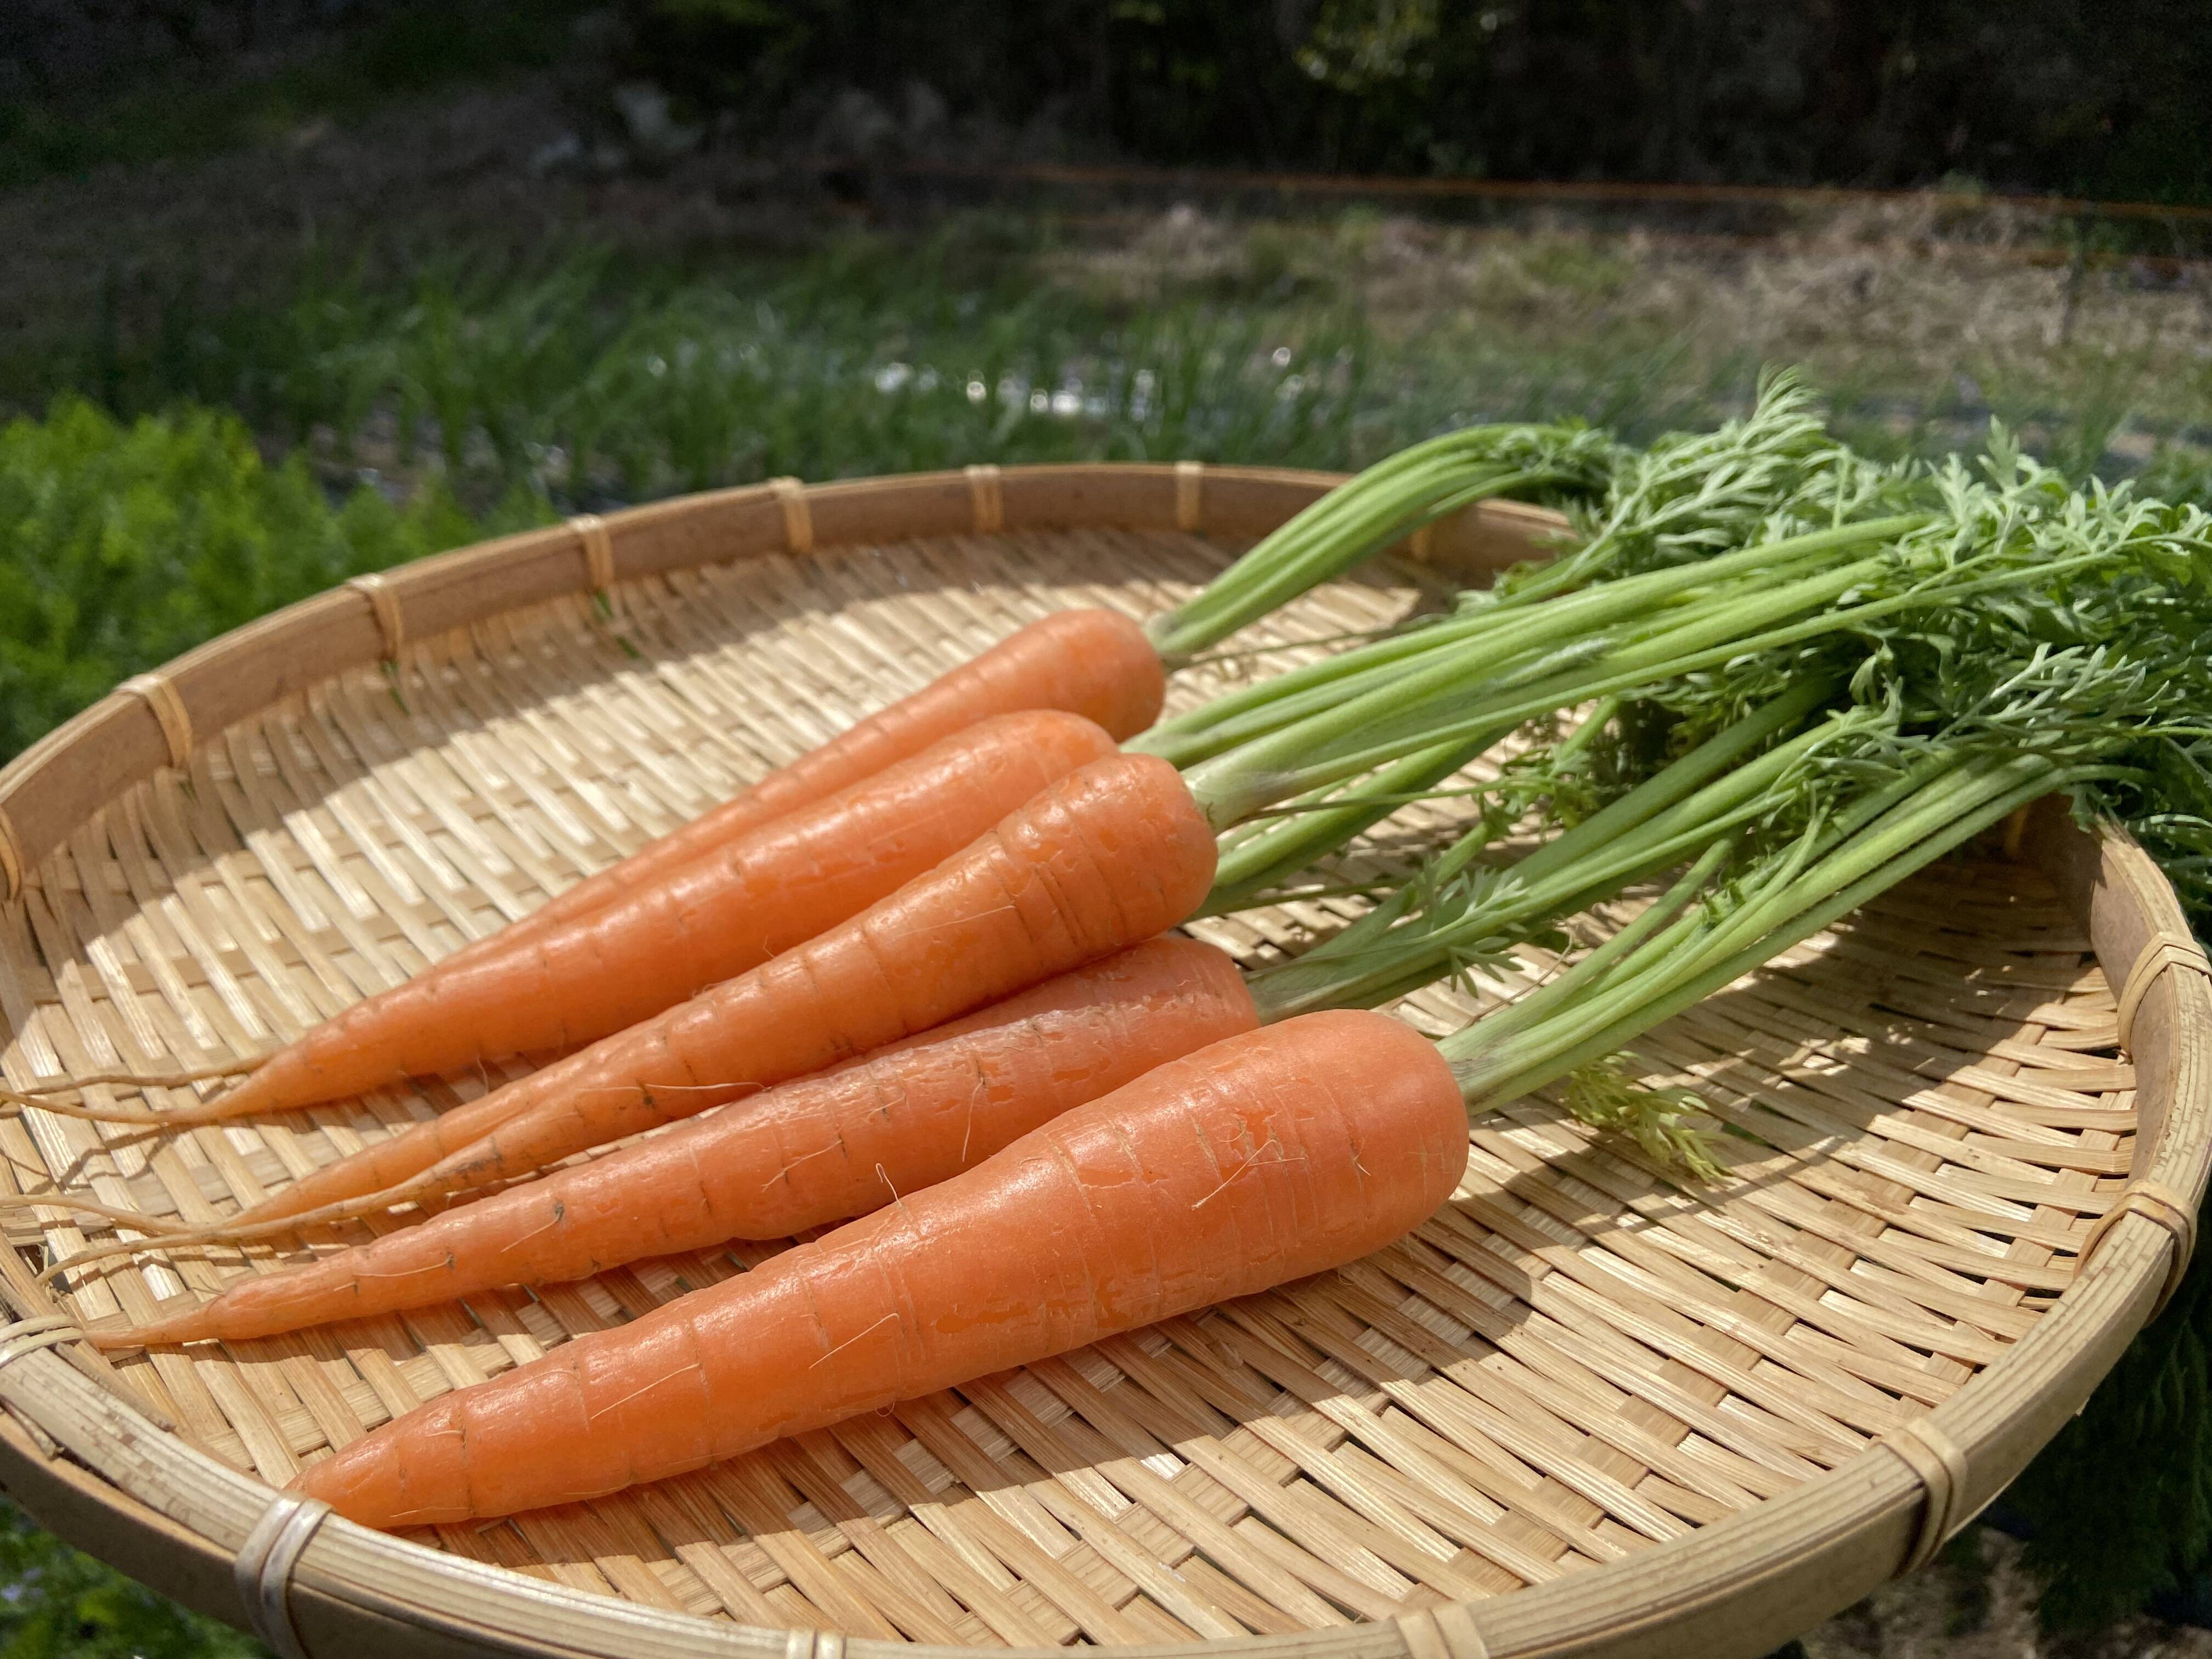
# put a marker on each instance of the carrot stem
(1387, 501)
(1571, 1023)
(1672, 815)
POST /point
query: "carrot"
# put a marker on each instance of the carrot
(758, 895)
(817, 1150)
(1269, 1156)
(1104, 858)
(1095, 663)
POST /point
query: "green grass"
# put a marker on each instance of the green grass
(615, 375)
(593, 380)
(121, 546)
(596, 379)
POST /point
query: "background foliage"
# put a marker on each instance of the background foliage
(2097, 98)
(60, 1604)
(121, 546)
(2103, 99)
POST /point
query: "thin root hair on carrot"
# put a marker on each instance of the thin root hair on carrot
(138, 1079)
(145, 1117)
(180, 1237)
(115, 1212)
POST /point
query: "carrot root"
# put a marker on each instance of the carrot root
(1108, 856)
(729, 911)
(75, 1205)
(38, 1096)
(1093, 662)
(1261, 1159)
(817, 1150)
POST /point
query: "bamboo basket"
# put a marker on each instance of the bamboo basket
(1581, 1412)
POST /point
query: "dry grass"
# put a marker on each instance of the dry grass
(1922, 331)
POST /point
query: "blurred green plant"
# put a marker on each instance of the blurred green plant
(56, 1603)
(2120, 1502)
(122, 545)
(193, 110)
(595, 380)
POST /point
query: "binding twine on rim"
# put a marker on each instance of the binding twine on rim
(12, 862)
(384, 599)
(263, 1572)
(31, 1335)
(989, 505)
(2165, 949)
(813, 1645)
(798, 522)
(599, 551)
(40, 1332)
(158, 693)
(1935, 1459)
(34, 1335)
(2153, 1201)
(1190, 498)
(1447, 1632)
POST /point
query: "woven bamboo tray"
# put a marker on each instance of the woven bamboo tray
(1581, 1412)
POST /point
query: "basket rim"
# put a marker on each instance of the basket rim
(179, 1517)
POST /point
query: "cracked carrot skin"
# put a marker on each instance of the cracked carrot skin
(1264, 1158)
(739, 905)
(1105, 858)
(1090, 662)
(817, 1150)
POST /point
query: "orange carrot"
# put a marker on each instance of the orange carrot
(820, 1149)
(1094, 662)
(1103, 859)
(743, 903)
(1269, 1156)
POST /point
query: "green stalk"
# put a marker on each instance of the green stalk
(1421, 948)
(1523, 626)
(1685, 938)
(1665, 913)
(1261, 860)
(1239, 783)
(1944, 816)
(1672, 815)
(1276, 571)
(1416, 710)
(1676, 785)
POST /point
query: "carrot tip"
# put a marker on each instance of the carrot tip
(169, 1331)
